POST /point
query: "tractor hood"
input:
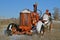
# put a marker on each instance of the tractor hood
(26, 11)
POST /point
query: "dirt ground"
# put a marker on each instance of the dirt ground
(54, 34)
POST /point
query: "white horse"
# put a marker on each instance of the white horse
(46, 19)
(40, 27)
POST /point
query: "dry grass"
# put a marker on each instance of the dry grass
(49, 35)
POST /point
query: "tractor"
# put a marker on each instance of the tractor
(27, 22)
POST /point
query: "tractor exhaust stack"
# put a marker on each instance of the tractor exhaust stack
(35, 7)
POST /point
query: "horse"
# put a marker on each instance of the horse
(47, 20)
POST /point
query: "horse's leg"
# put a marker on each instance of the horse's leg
(51, 26)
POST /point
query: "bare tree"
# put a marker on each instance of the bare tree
(56, 13)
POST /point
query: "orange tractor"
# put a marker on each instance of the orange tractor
(27, 20)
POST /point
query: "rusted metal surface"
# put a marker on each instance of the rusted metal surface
(25, 21)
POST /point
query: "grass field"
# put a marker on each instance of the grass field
(49, 35)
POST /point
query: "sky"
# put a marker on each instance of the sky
(12, 8)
